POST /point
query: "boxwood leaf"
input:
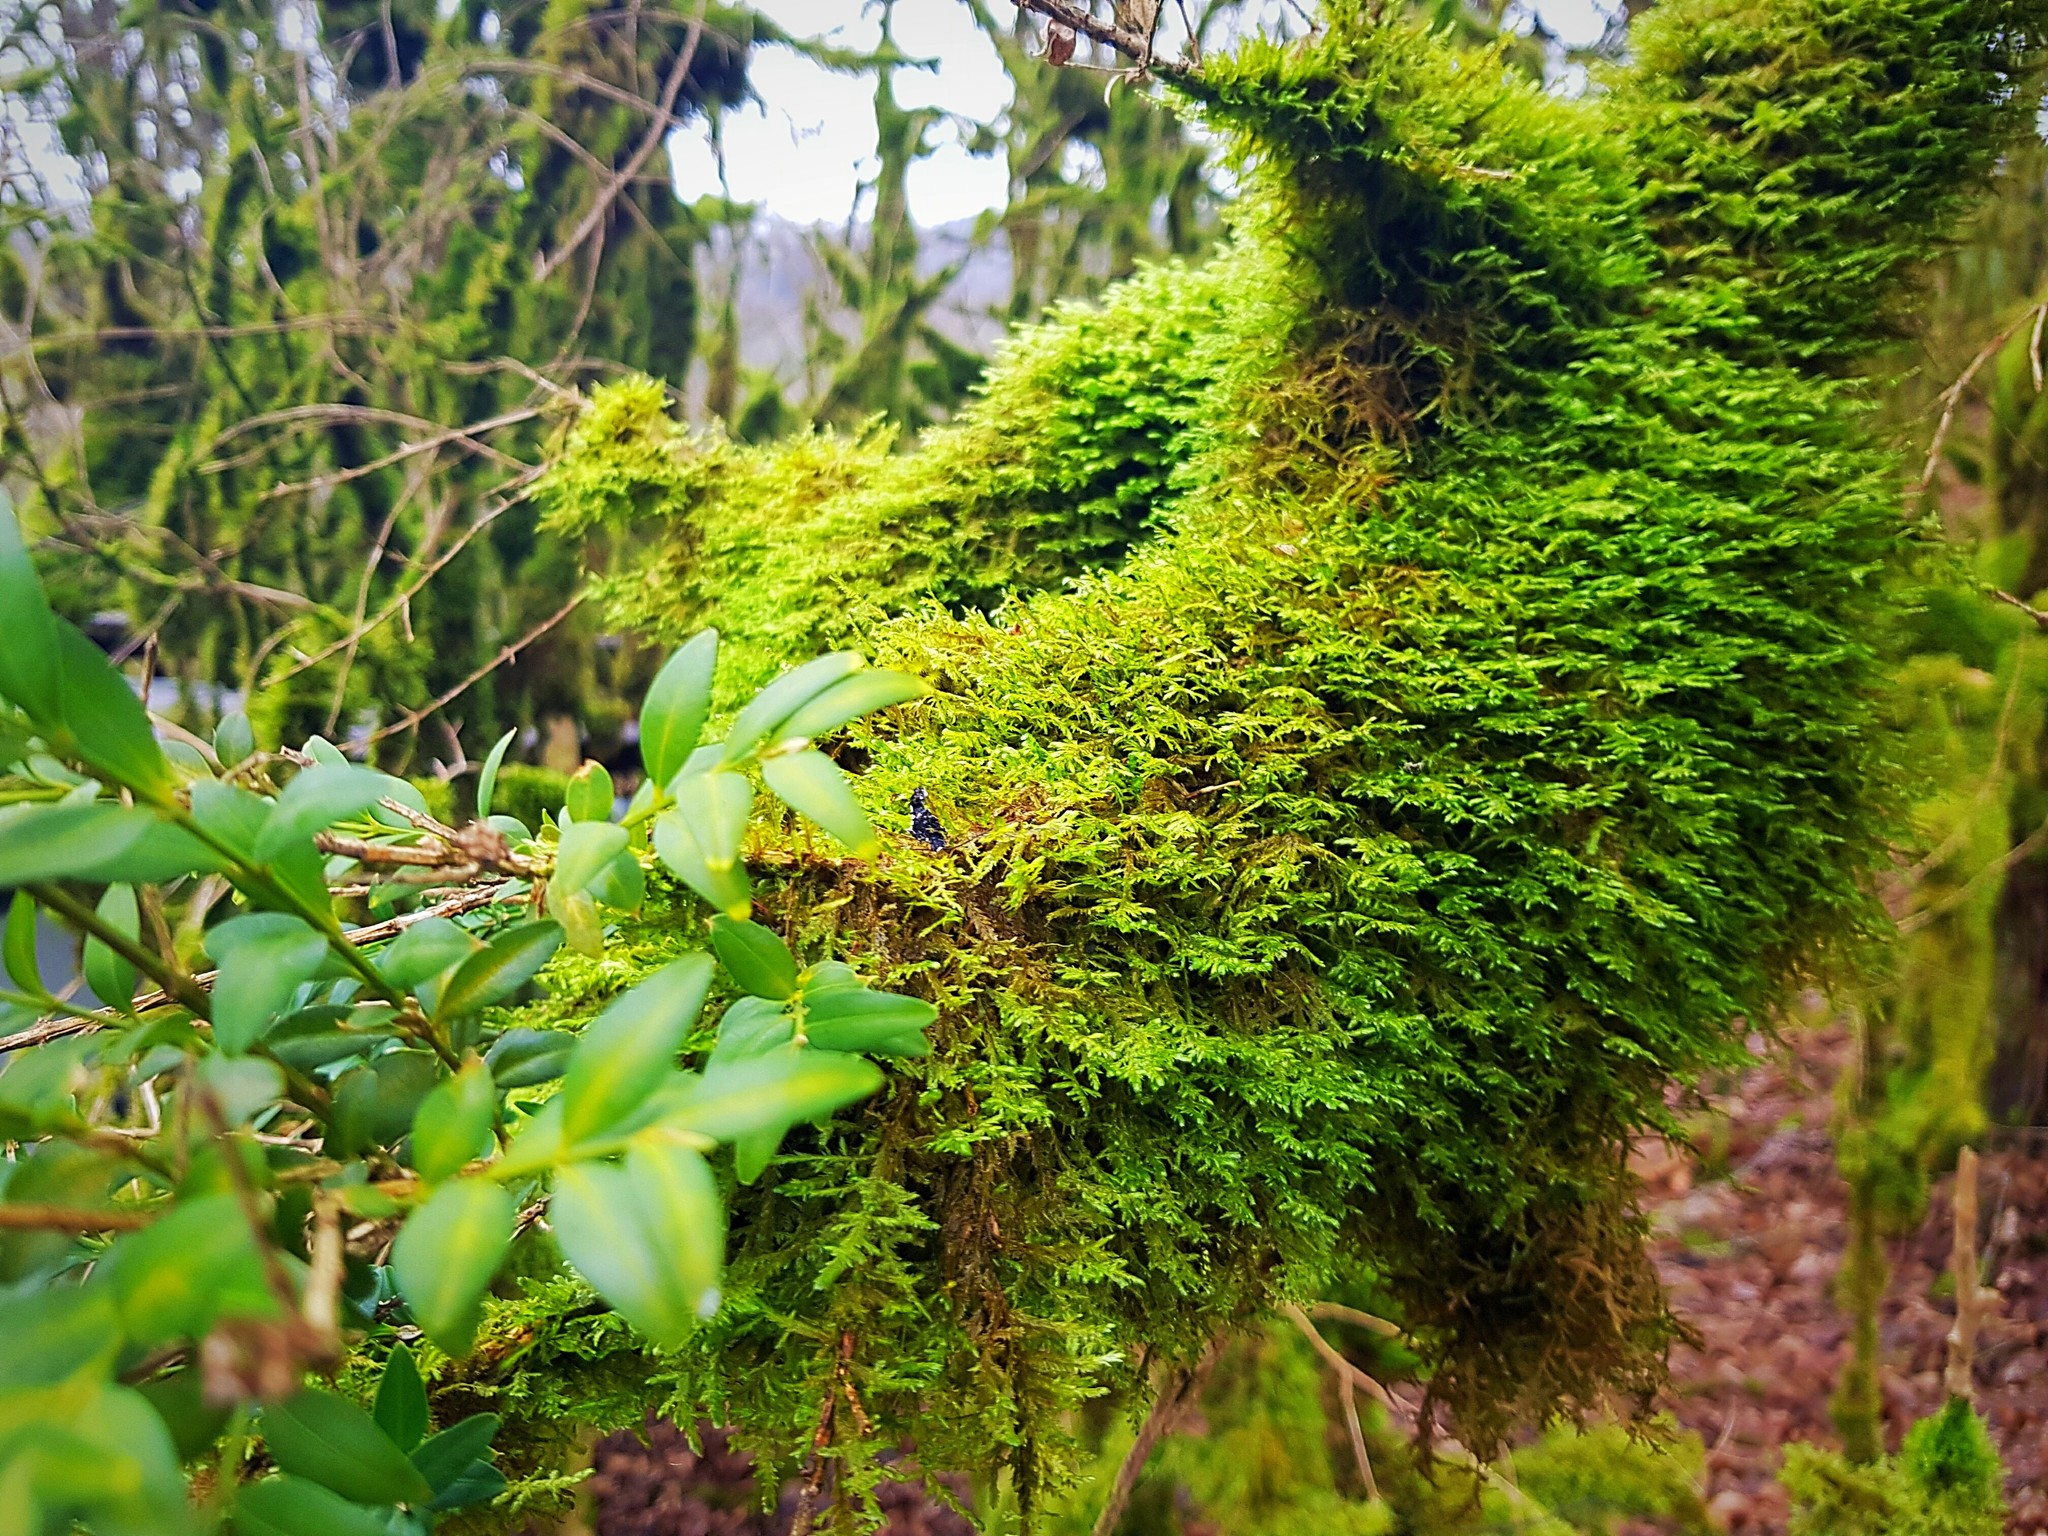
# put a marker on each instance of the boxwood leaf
(678, 702)
(29, 671)
(751, 1026)
(233, 741)
(586, 848)
(63, 842)
(627, 1049)
(263, 959)
(330, 1441)
(521, 1058)
(844, 702)
(716, 806)
(487, 779)
(111, 977)
(811, 783)
(19, 944)
(727, 888)
(856, 1019)
(445, 1256)
(401, 1406)
(499, 969)
(105, 720)
(453, 1123)
(425, 949)
(784, 697)
(590, 795)
(756, 957)
(292, 1506)
(446, 1456)
(319, 797)
(769, 1091)
(478, 1483)
(648, 1235)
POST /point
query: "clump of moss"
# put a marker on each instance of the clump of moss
(1436, 697)
(1946, 1480)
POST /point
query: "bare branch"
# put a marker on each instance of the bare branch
(63, 1218)
(1167, 1408)
(373, 933)
(1132, 45)
(407, 721)
(655, 135)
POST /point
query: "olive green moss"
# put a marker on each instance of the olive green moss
(1438, 703)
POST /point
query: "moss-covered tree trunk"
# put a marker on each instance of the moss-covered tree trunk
(1404, 691)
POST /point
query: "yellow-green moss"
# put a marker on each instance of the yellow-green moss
(1458, 710)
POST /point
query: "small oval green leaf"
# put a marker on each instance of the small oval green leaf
(727, 888)
(678, 702)
(845, 702)
(499, 969)
(648, 1236)
(446, 1254)
(631, 1046)
(810, 783)
(756, 957)
(111, 977)
(590, 795)
(319, 797)
(784, 697)
(426, 949)
(487, 779)
(453, 1123)
(587, 847)
(263, 959)
(330, 1441)
(401, 1406)
(523, 1057)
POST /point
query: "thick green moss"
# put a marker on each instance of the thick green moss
(1337, 882)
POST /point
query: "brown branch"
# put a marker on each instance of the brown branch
(1913, 922)
(2040, 619)
(402, 452)
(373, 933)
(1973, 1299)
(1336, 1312)
(1132, 45)
(1335, 1359)
(64, 1218)
(656, 134)
(398, 601)
(1952, 397)
(1166, 1411)
(408, 721)
(814, 1470)
(1357, 1434)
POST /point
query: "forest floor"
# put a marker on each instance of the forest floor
(1750, 1229)
(1751, 1226)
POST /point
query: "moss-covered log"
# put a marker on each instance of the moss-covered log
(1405, 692)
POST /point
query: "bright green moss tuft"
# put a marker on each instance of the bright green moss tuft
(1436, 703)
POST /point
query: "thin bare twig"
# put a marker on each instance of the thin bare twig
(653, 140)
(1132, 45)
(401, 453)
(408, 721)
(1167, 1408)
(2040, 619)
(2032, 843)
(1337, 1312)
(64, 1218)
(373, 933)
(1952, 396)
